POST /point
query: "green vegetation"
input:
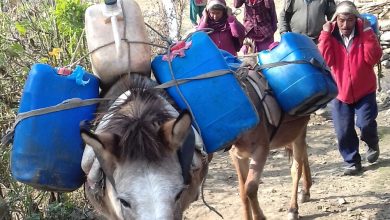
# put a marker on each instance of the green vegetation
(35, 32)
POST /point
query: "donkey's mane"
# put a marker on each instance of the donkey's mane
(137, 121)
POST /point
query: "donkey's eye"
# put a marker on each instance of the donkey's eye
(124, 203)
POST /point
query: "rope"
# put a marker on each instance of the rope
(176, 84)
(164, 38)
(312, 61)
(108, 44)
(204, 201)
(185, 80)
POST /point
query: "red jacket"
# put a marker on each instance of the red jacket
(353, 71)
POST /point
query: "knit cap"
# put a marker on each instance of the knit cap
(212, 3)
(346, 7)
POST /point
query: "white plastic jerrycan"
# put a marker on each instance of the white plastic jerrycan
(117, 40)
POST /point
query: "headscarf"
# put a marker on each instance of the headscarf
(345, 7)
(221, 24)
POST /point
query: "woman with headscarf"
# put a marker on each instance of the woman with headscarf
(260, 21)
(228, 33)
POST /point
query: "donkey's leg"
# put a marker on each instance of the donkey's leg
(242, 167)
(304, 196)
(256, 166)
(299, 154)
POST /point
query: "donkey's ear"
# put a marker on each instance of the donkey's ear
(103, 145)
(176, 131)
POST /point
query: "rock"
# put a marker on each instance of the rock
(385, 36)
(385, 56)
(4, 210)
(341, 201)
(386, 64)
(387, 50)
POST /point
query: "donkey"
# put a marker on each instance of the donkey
(249, 152)
(131, 160)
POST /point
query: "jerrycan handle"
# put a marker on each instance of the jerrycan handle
(113, 10)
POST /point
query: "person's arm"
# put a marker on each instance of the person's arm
(325, 44)
(285, 17)
(274, 18)
(330, 9)
(238, 3)
(371, 47)
(203, 20)
(236, 28)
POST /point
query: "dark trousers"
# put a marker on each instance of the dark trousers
(343, 114)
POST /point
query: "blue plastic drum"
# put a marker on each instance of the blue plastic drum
(47, 149)
(220, 106)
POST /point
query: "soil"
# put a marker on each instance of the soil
(333, 196)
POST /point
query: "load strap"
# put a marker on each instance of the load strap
(175, 82)
(65, 105)
(312, 61)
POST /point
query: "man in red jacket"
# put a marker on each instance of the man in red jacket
(351, 49)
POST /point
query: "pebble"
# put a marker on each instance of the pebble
(341, 201)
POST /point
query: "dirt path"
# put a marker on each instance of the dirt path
(333, 196)
(366, 196)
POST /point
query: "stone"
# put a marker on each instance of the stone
(386, 64)
(385, 36)
(341, 201)
(385, 56)
(387, 50)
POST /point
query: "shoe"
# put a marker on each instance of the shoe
(372, 154)
(353, 170)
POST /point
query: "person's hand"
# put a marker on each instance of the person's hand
(204, 14)
(327, 26)
(229, 11)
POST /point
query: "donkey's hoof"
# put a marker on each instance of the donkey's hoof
(292, 215)
(303, 197)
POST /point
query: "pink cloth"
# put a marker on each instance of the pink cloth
(177, 50)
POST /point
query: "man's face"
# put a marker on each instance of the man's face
(346, 23)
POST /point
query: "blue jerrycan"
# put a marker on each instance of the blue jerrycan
(220, 107)
(47, 149)
(373, 21)
(302, 87)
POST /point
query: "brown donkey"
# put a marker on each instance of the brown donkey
(249, 154)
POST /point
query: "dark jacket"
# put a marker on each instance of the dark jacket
(305, 18)
(260, 19)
